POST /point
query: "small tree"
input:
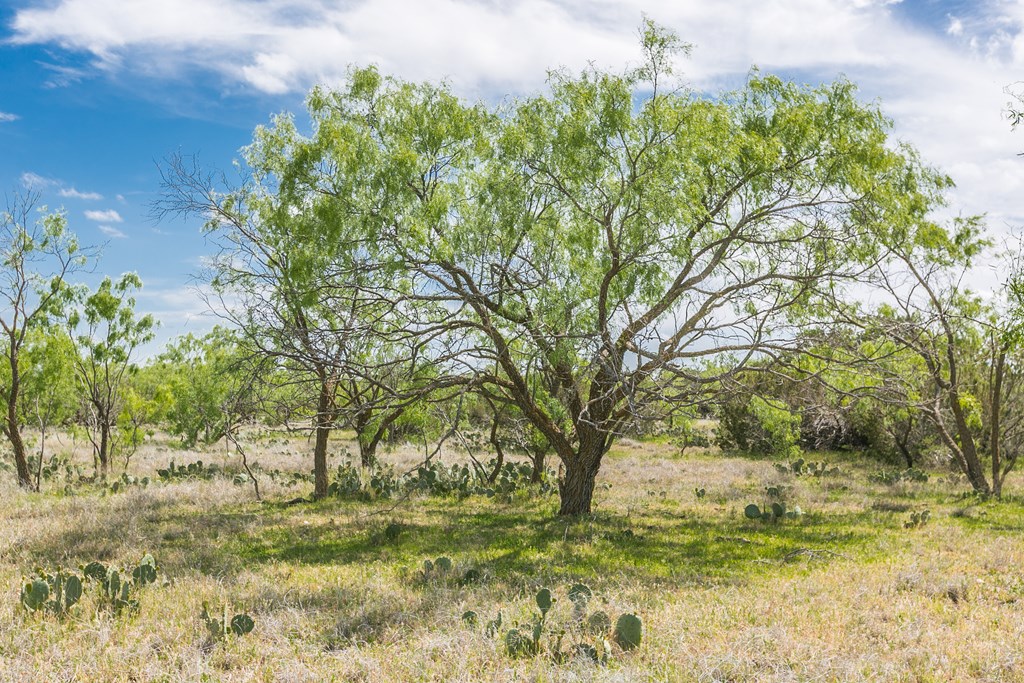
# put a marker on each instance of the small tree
(932, 347)
(201, 373)
(37, 255)
(107, 332)
(49, 392)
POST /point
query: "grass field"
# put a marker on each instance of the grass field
(843, 593)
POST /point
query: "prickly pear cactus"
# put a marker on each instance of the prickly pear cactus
(598, 623)
(628, 631)
(517, 643)
(544, 601)
(242, 624)
(34, 594)
(752, 512)
(443, 564)
(145, 572)
(72, 591)
(580, 594)
(97, 571)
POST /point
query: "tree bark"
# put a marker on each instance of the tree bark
(367, 452)
(499, 452)
(996, 433)
(576, 489)
(13, 430)
(323, 434)
(104, 447)
(538, 466)
(367, 442)
(973, 467)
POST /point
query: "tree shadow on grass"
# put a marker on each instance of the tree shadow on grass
(512, 544)
(520, 545)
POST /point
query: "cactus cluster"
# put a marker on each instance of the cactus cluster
(59, 465)
(443, 569)
(917, 519)
(801, 467)
(118, 588)
(588, 632)
(55, 592)
(772, 513)
(126, 481)
(59, 591)
(221, 629)
(442, 566)
(891, 477)
(772, 510)
(195, 470)
(439, 479)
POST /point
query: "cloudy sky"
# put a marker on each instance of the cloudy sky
(95, 93)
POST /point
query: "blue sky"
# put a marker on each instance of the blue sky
(95, 93)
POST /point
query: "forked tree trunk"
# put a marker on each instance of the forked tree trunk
(367, 451)
(367, 441)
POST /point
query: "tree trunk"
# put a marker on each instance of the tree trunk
(367, 451)
(996, 433)
(902, 442)
(323, 433)
(13, 427)
(104, 448)
(972, 463)
(367, 443)
(499, 452)
(538, 467)
(20, 459)
(576, 489)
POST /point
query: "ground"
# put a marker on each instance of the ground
(845, 592)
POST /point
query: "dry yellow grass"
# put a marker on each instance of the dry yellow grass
(843, 594)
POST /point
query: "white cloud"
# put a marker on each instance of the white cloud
(943, 86)
(112, 232)
(6, 117)
(72, 193)
(109, 216)
(34, 181)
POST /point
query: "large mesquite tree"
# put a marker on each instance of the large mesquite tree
(588, 251)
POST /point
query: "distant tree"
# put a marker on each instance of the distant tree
(201, 373)
(37, 256)
(933, 348)
(295, 284)
(107, 332)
